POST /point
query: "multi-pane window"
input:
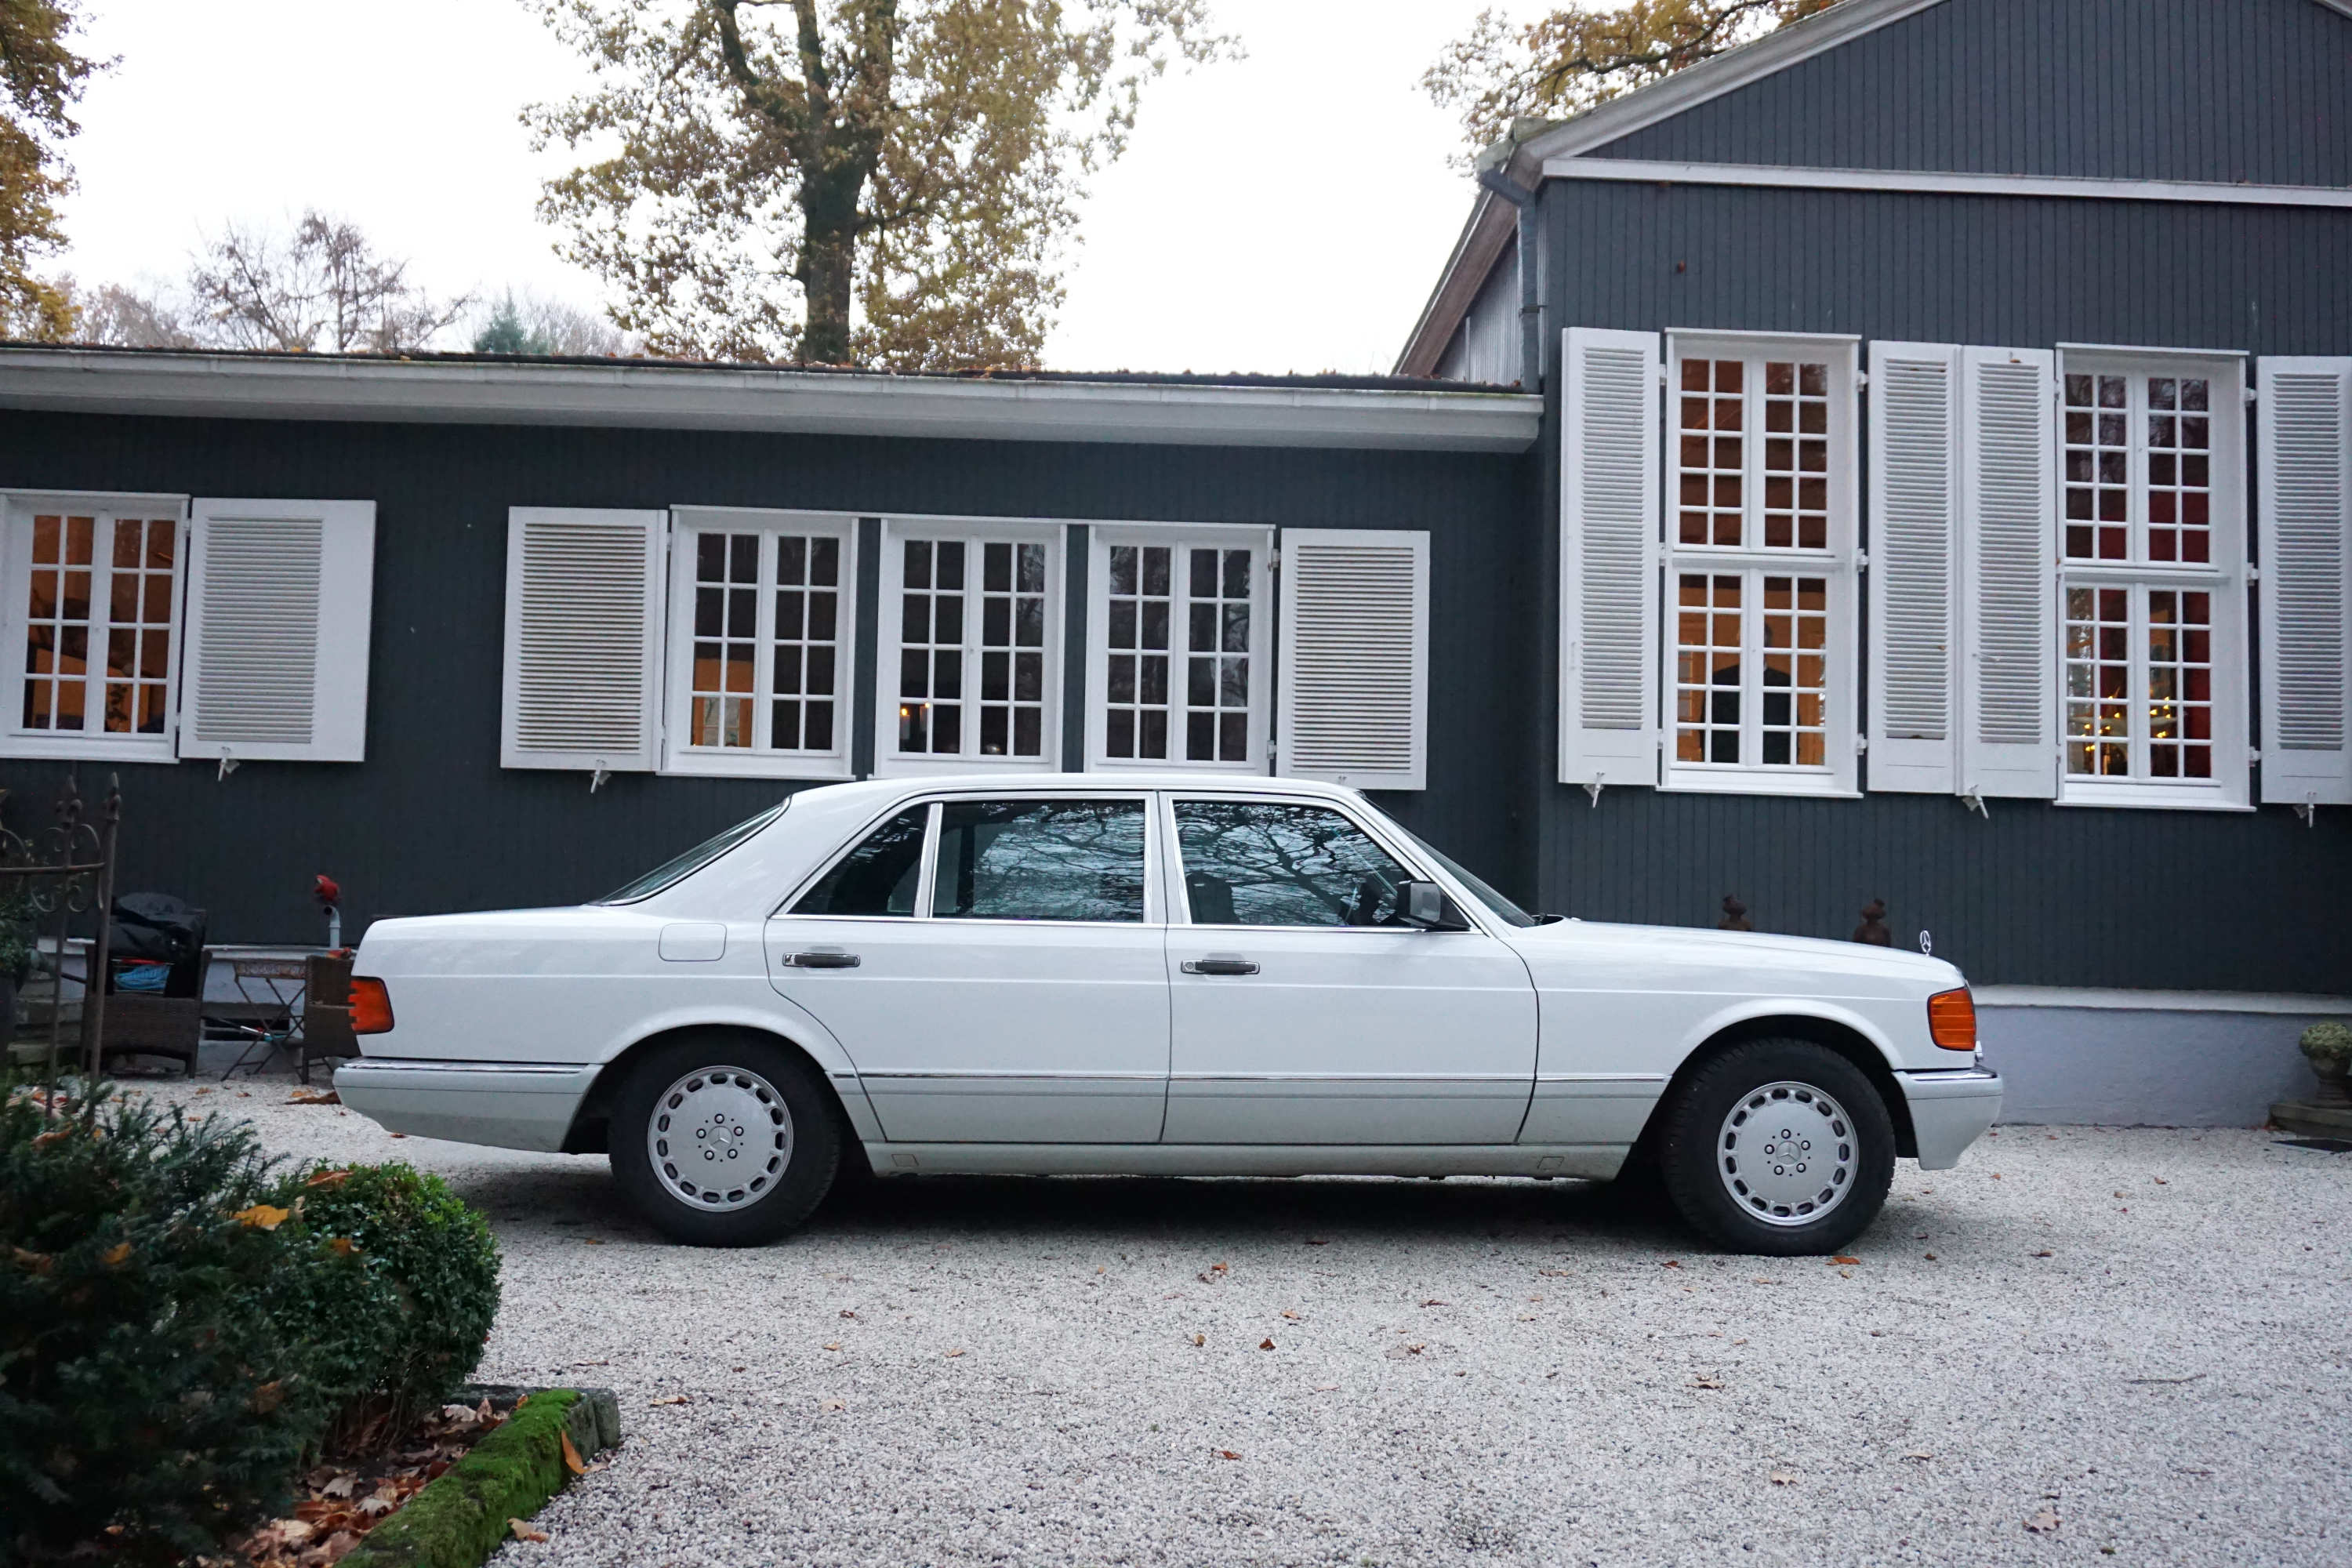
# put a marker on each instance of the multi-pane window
(2140, 683)
(1178, 621)
(98, 591)
(758, 635)
(1752, 670)
(1760, 510)
(1752, 453)
(2139, 469)
(2151, 609)
(968, 672)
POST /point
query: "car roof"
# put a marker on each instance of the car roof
(1123, 782)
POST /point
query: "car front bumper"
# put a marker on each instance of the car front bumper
(1949, 1110)
(506, 1105)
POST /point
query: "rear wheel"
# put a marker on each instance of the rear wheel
(1779, 1147)
(724, 1140)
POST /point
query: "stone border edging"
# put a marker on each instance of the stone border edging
(459, 1519)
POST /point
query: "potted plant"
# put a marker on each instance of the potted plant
(2328, 1046)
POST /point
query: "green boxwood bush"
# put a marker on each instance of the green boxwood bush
(143, 1383)
(184, 1326)
(401, 1289)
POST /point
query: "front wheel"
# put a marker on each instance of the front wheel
(724, 1140)
(1779, 1147)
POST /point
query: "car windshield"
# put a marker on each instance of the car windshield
(684, 866)
(1503, 907)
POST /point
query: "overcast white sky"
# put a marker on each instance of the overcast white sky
(1288, 212)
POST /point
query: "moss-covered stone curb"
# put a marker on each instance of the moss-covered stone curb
(457, 1521)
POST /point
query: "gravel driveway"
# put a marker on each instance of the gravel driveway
(2141, 1335)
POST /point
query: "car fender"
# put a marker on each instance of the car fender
(1753, 1007)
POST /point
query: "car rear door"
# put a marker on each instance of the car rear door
(1299, 1015)
(994, 966)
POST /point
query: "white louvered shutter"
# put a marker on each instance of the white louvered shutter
(1355, 657)
(1915, 488)
(1608, 558)
(2009, 586)
(275, 665)
(584, 654)
(2303, 422)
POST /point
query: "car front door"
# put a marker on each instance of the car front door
(995, 968)
(1303, 1013)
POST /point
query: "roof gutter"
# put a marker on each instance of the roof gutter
(759, 399)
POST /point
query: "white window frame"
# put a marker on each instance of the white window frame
(1837, 561)
(890, 763)
(2223, 578)
(15, 587)
(679, 753)
(1178, 539)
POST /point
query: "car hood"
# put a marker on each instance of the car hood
(1748, 948)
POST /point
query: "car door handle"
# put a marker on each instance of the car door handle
(1220, 964)
(820, 959)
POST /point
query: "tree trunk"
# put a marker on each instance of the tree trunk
(828, 269)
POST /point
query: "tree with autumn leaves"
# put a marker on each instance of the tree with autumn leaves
(41, 79)
(889, 182)
(1570, 60)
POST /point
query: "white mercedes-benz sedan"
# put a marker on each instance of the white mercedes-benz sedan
(1062, 973)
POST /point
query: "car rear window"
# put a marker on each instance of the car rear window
(672, 871)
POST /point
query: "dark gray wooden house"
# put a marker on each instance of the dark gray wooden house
(1907, 458)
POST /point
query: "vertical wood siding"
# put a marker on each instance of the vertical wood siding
(430, 822)
(2223, 90)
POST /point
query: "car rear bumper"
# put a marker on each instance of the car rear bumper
(1950, 1111)
(506, 1105)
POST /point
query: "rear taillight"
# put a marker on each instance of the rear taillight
(372, 1008)
(1951, 1019)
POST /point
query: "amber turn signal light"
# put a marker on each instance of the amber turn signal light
(372, 1008)
(1951, 1019)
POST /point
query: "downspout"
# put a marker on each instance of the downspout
(1530, 282)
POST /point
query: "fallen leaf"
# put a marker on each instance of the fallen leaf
(1841, 1257)
(115, 1257)
(572, 1459)
(377, 1507)
(1217, 1267)
(400, 1135)
(2045, 1253)
(605, 1362)
(1553, 1273)
(833, 1406)
(328, 1179)
(1200, 1339)
(2159, 1181)
(340, 1487)
(1266, 1344)
(952, 1354)
(1739, 1341)
(593, 1240)
(523, 1531)
(2042, 1523)
(1227, 1454)
(1433, 1303)
(1670, 1263)
(305, 1097)
(1931, 1258)
(1414, 1350)
(1706, 1382)
(268, 1396)
(342, 1246)
(670, 1399)
(1318, 1241)
(834, 1346)
(1916, 1454)
(1291, 1315)
(1996, 1175)
(1783, 1478)
(848, 1313)
(262, 1216)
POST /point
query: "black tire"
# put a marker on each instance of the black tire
(763, 1204)
(1858, 1149)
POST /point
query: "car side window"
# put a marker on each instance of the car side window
(878, 876)
(1039, 860)
(1258, 863)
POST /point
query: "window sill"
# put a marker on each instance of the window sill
(936, 767)
(2150, 796)
(60, 748)
(1154, 765)
(1819, 786)
(754, 766)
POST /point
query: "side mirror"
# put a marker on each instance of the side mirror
(1424, 904)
